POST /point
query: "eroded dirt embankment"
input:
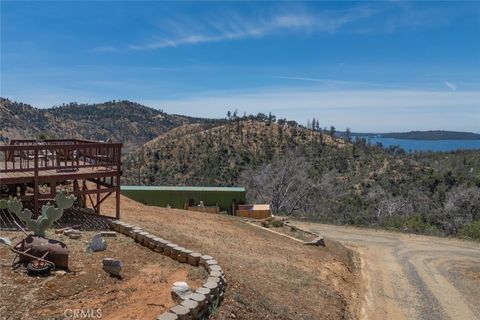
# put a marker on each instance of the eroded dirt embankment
(411, 276)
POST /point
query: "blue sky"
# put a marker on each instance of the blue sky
(370, 66)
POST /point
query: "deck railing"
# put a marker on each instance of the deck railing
(59, 155)
(39, 161)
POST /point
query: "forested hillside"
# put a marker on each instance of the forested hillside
(216, 155)
(310, 173)
(124, 121)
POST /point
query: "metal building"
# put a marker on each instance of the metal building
(182, 197)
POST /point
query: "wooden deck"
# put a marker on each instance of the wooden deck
(32, 163)
(83, 170)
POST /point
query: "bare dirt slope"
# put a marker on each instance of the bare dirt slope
(142, 293)
(269, 276)
(411, 276)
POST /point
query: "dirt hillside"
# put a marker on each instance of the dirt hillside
(269, 276)
(412, 276)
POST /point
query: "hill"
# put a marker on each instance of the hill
(314, 175)
(200, 154)
(129, 122)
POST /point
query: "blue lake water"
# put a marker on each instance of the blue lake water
(426, 145)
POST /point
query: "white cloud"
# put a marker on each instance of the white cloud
(175, 30)
(231, 26)
(452, 86)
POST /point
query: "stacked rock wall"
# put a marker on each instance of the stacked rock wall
(198, 304)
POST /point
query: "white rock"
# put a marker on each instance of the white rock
(5, 240)
(180, 290)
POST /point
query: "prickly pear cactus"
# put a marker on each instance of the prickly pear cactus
(49, 214)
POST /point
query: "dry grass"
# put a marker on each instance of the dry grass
(269, 276)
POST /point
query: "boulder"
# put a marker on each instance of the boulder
(97, 243)
(112, 266)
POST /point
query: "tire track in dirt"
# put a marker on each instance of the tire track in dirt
(411, 276)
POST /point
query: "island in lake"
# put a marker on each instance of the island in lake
(424, 135)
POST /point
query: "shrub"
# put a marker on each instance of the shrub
(416, 224)
(277, 223)
(471, 231)
(393, 222)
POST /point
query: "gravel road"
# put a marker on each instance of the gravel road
(411, 276)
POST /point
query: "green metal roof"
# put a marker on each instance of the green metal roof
(183, 188)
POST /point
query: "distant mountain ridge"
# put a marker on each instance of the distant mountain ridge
(425, 135)
(125, 121)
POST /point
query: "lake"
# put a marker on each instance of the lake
(425, 145)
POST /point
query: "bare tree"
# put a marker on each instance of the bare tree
(387, 205)
(284, 183)
(391, 206)
(462, 205)
(133, 168)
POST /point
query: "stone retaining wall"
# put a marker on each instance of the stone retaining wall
(200, 303)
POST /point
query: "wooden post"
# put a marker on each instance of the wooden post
(117, 187)
(35, 185)
(117, 197)
(53, 189)
(97, 206)
(84, 187)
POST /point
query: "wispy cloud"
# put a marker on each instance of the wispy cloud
(452, 86)
(179, 30)
(341, 83)
(233, 26)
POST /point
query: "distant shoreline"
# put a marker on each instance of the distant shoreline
(436, 135)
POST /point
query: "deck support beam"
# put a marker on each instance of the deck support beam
(36, 192)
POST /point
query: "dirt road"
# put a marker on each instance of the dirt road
(411, 276)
